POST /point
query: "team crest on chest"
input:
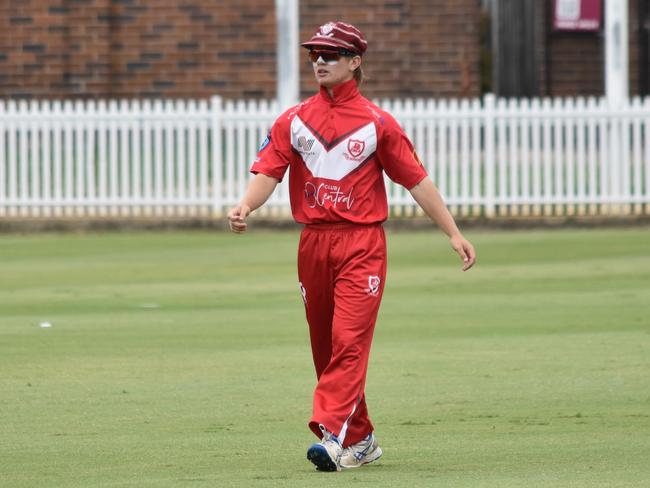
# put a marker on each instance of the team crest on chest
(356, 147)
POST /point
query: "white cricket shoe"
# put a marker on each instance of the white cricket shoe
(363, 452)
(326, 454)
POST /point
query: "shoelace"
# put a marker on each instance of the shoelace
(327, 435)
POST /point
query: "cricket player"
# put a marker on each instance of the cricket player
(337, 145)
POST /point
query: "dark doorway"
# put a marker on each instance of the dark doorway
(644, 47)
(514, 53)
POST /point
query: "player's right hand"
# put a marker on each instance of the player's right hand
(465, 250)
(237, 217)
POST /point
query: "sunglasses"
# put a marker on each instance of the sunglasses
(329, 56)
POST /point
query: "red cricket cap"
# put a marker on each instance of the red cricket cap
(338, 35)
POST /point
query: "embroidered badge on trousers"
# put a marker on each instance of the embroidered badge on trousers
(373, 285)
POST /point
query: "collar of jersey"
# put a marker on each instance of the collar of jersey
(343, 92)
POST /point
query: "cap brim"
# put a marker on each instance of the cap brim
(310, 44)
(313, 44)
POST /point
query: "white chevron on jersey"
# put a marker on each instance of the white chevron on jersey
(339, 161)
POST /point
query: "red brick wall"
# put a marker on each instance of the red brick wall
(165, 48)
(576, 64)
(133, 48)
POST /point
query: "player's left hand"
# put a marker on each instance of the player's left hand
(237, 217)
(464, 249)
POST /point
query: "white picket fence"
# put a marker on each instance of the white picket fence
(489, 157)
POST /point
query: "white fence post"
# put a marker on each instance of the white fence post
(3, 174)
(216, 115)
(614, 160)
(646, 130)
(489, 107)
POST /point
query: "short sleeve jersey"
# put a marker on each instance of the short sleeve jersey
(336, 149)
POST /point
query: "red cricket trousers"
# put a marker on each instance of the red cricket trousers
(342, 269)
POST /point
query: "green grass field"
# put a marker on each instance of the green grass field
(182, 360)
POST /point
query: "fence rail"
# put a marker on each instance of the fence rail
(489, 157)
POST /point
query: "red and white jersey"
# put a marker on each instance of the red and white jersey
(337, 149)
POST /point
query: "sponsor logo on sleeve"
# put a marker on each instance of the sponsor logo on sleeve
(265, 143)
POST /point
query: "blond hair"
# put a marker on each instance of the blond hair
(358, 75)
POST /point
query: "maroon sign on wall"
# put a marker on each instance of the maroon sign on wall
(577, 15)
